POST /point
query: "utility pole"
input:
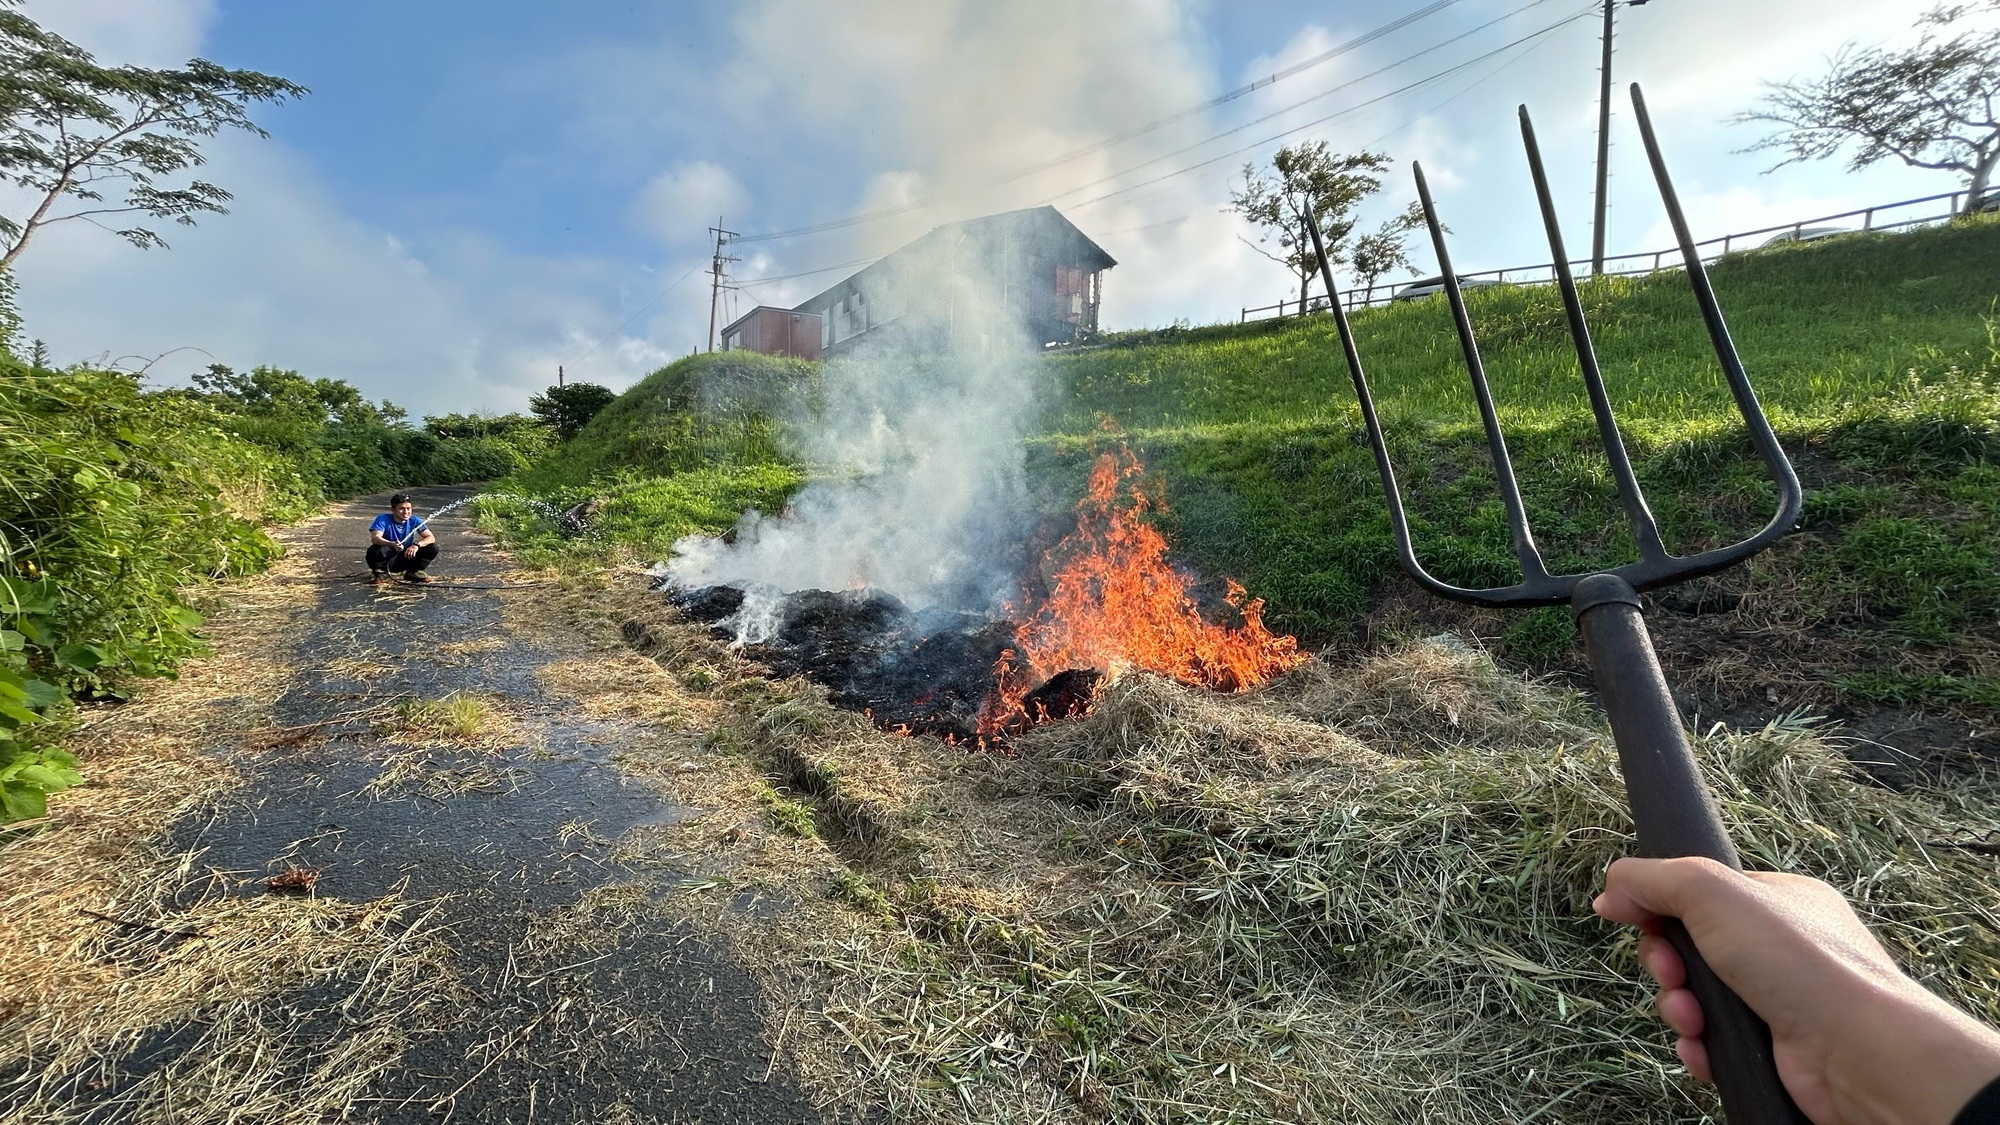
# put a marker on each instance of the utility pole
(559, 376)
(1604, 141)
(722, 238)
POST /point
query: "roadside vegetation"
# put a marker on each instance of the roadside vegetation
(121, 503)
(685, 450)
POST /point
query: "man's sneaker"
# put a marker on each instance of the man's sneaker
(416, 576)
(377, 577)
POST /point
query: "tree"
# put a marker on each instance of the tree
(568, 409)
(1933, 105)
(285, 410)
(1309, 175)
(110, 140)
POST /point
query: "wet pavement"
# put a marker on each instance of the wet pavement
(634, 1018)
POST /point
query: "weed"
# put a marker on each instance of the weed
(795, 817)
(1540, 634)
(455, 716)
(1907, 689)
(855, 890)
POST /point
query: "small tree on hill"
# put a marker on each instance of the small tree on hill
(1310, 175)
(99, 143)
(1935, 105)
(567, 409)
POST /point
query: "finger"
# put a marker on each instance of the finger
(1662, 961)
(1617, 906)
(1682, 1012)
(1674, 888)
(1694, 1056)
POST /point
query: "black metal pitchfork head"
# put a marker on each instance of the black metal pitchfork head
(1672, 810)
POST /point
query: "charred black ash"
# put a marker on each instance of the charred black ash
(928, 671)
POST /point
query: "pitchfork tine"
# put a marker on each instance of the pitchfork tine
(1532, 568)
(1644, 528)
(1790, 498)
(1399, 523)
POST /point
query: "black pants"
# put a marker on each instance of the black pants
(391, 558)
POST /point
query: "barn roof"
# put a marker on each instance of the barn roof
(1028, 223)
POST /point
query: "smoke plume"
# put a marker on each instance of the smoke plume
(916, 448)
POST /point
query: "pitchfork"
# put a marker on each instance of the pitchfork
(1671, 808)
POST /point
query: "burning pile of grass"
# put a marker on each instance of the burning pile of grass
(1356, 895)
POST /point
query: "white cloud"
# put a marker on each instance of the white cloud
(145, 32)
(287, 279)
(680, 204)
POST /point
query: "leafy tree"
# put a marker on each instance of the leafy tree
(103, 143)
(473, 426)
(567, 409)
(1310, 175)
(1932, 105)
(290, 410)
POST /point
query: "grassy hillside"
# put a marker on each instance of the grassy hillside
(686, 449)
(1874, 353)
(720, 408)
(1817, 323)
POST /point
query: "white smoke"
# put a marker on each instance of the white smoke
(920, 479)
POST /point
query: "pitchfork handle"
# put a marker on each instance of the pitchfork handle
(1676, 816)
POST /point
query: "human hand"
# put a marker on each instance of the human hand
(1856, 1042)
(409, 552)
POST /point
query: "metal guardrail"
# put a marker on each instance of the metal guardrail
(1381, 293)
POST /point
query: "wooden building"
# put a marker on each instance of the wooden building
(1020, 275)
(774, 331)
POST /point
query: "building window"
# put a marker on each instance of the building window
(1072, 293)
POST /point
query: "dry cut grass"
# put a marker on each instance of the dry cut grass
(1359, 895)
(114, 945)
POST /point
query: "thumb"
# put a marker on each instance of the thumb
(1638, 892)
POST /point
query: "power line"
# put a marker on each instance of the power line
(1269, 116)
(1467, 89)
(1300, 67)
(643, 309)
(1446, 73)
(1376, 73)
(749, 282)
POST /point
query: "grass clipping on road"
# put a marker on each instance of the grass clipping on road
(1359, 895)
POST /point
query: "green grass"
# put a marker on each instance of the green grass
(639, 515)
(1817, 324)
(1874, 355)
(720, 408)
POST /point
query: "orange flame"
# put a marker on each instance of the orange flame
(1115, 603)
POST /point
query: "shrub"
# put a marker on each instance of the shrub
(114, 501)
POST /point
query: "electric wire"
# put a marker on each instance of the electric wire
(1155, 125)
(1100, 146)
(1446, 73)
(747, 283)
(1330, 91)
(1288, 109)
(643, 309)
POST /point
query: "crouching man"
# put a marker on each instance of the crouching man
(399, 543)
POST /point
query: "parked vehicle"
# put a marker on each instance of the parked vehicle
(1804, 234)
(1990, 201)
(1418, 290)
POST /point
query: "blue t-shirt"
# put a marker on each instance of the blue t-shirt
(397, 531)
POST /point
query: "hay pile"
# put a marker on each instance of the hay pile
(1361, 895)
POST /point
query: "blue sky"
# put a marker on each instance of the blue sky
(479, 190)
